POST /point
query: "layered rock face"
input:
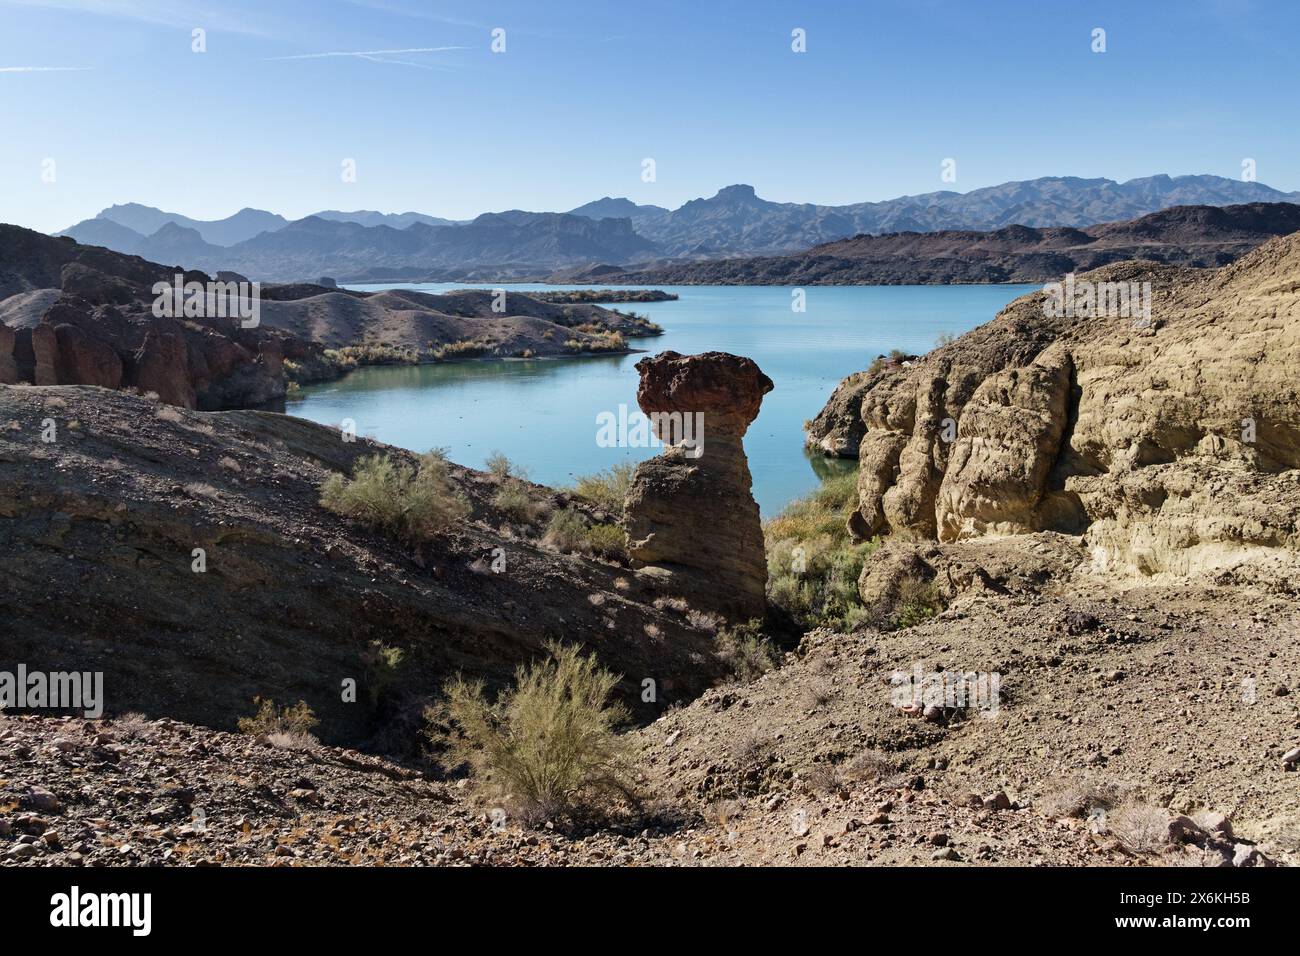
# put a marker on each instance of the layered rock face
(689, 514)
(1170, 442)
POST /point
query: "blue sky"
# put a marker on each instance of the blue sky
(709, 89)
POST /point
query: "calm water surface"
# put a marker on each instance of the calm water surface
(542, 413)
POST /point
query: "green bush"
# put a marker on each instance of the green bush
(812, 564)
(548, 747)
(915, 602)
(514, 500)
(607, 488)
(608, 540)
(567, 531)
(414, 504)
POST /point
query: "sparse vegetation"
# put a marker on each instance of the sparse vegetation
(413, 504)
(294, 720)
(567, 531)
(354, 356)
(514, 500)
(133, 726)
(747, 652)
(464, 349)
(548, 747)
(944, 338)
(812, 564)
(1139, 827)
(916, 601)
(381, 663)
(607, 540)
(607, 488)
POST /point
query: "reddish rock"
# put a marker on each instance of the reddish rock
(86, 361)
(8, 366)
(162, 366)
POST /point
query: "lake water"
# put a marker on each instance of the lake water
(543, 413)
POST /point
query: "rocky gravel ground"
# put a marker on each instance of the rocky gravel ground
(1177, 707)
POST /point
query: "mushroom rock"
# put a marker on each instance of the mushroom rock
(689, 514)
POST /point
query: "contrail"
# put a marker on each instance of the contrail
(367, 54)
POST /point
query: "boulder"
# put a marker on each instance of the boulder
(689, 514)
(162, 366)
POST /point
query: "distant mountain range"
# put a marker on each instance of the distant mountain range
(735, 222)
(1190, 236)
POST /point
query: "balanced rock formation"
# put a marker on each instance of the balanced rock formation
(689, 513)
(1168, 438)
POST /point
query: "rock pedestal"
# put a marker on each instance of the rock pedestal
(689, 514)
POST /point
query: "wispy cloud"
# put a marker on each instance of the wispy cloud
(374, 56)
(383, 6)
(171, 13)
(44, 69)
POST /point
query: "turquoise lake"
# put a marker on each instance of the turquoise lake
(543, 413)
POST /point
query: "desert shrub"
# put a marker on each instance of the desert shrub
(352, 356)
(500, 467)
(1139, 827)
(746, 651)
(466, 348)
(915, 602)
(944, 338)
(812, 564)
(514, 500)
(1080, 798)
(382, 663)
(412, 503)
(607, 488)
(272, 719)
(608, 540)
(133, 726)
(567, 531)
(546, 748)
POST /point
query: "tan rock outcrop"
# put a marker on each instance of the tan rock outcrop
(1170, 442)
(689, 514)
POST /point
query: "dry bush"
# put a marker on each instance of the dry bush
(133, 726)
(546, 748)
(500, 467)
(1079, 798)
(746, 651)
(1139, 827)
(915, 602)
(285, 740)
(704, 621)
(816, 697)
(677, 604)
(295, 719)
(870, 766)
(412, 503)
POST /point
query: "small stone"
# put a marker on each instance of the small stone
(21, 851)
(879, 820)
(997, 801)
(1291, 757)
(937, 838)
(1216, 822)
(947, 853)
(41, 799)
(672, 738)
